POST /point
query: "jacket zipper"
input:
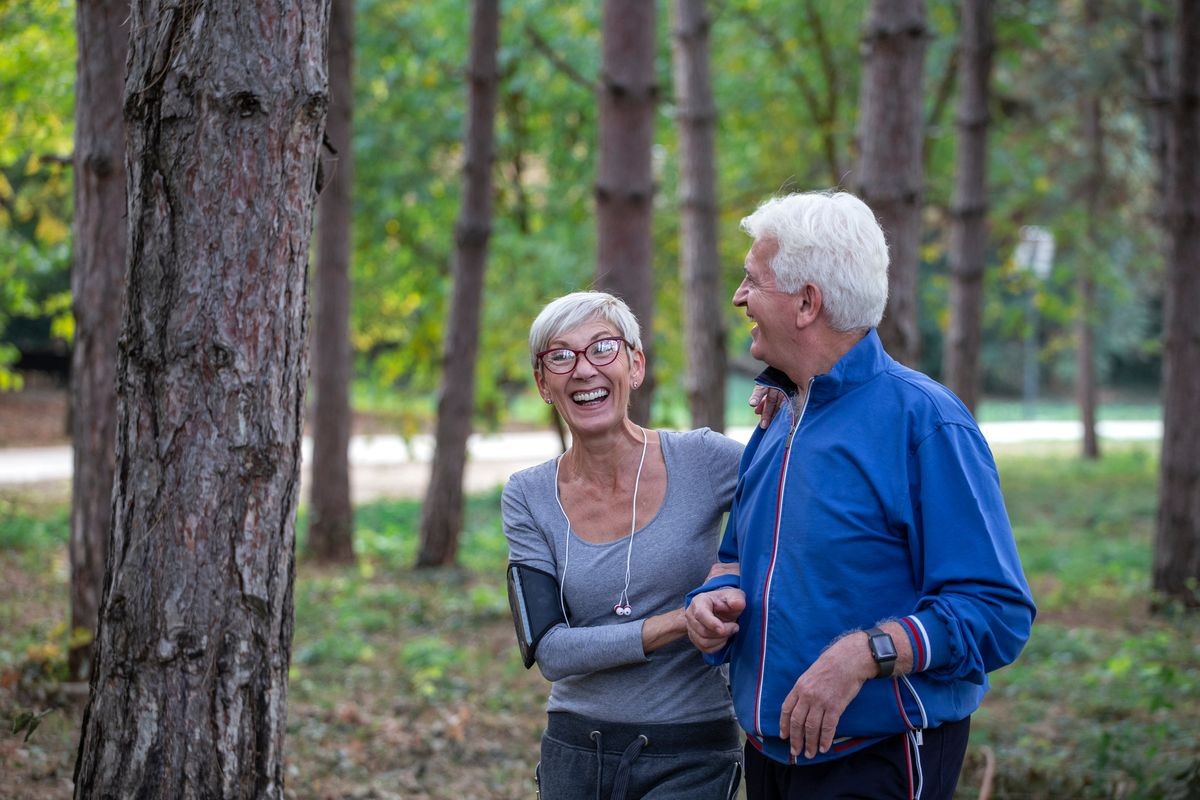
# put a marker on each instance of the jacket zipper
(762, 655)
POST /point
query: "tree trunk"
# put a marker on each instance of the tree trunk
(442, 513)
(890, 173)
(625, 178)
(331, 526)
(225, 104)
(1085, 379)
(1158, 94)
(968, 230)
(1177, 544)
(703, 305)
(97, 281)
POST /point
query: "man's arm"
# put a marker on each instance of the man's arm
(712, 617)
(812, 709)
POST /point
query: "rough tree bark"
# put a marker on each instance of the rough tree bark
(890, 175)
(1177, 543)
(969, 205)
(703, 304)
(225, 104)
(97, 282)
(442, 512)
(628, 93)
(331, 526)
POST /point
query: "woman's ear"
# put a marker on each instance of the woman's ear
(637, 373)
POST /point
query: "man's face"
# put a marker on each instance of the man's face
(772, 310)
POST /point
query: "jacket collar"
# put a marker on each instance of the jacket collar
(860, 364)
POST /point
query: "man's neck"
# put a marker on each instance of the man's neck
(819, 354)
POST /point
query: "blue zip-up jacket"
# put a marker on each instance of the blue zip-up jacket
(878, 499)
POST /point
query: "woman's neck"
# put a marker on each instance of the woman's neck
(605, 457)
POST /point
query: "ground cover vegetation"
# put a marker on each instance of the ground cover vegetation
(407, 684)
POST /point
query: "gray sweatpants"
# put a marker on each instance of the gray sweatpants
(584, 759)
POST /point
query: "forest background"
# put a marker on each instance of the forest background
(395, 683)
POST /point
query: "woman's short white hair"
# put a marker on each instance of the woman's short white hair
(831, 240)
(572, 310)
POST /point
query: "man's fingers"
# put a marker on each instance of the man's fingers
(785, 714)
(828, 727)
(811, 733)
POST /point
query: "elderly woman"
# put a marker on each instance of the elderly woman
(604, 543)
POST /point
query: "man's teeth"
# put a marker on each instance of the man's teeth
(594, 394)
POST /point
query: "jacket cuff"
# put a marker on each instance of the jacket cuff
(929, 640)
(718, 582)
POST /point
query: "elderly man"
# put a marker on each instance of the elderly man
(868, 579)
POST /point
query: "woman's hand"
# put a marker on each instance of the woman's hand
(765, 403)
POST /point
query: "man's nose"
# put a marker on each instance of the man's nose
(739, 294)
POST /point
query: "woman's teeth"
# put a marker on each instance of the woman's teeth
(585, 397)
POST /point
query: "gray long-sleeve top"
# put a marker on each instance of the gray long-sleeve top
(597, 664)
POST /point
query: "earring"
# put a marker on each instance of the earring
(636, 384)
(549, 402)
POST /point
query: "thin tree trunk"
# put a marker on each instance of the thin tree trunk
(1158, 94)
(97, 281)
(331, 526)
(703, 306)
(1177, 544)
(625, 178)
(968, 230)
(1085, 379)
(890, 174)
(225, 105)
(442, 513)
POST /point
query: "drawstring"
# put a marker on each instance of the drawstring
(621, 779)
(595, 737)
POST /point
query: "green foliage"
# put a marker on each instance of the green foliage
(785, 83)
(37, 75)
(28, 721)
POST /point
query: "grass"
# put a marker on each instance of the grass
(407, 683)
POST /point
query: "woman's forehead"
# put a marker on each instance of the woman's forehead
(585, 333)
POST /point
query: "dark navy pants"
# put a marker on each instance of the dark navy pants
(879, 772)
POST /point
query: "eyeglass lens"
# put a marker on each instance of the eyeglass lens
(599, 353)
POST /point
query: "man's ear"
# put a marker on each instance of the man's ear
(808, 305)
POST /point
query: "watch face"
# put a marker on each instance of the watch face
(882, 647)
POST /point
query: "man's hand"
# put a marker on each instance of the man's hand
(712, 617)
(812, 709)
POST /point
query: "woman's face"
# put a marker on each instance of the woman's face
(591, 399)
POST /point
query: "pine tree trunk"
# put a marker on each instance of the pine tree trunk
(1158, 94)
(968, 230)
(625, 178)
(1085, 378)
(442, 513)
(703, 304)
(330, 531)
(890, 172)
(225, 104)
(1177, 544)
(97, 283)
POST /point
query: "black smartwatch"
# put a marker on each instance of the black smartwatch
(883, 650)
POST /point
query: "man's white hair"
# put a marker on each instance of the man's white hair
(831, 240)
(572, 310)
